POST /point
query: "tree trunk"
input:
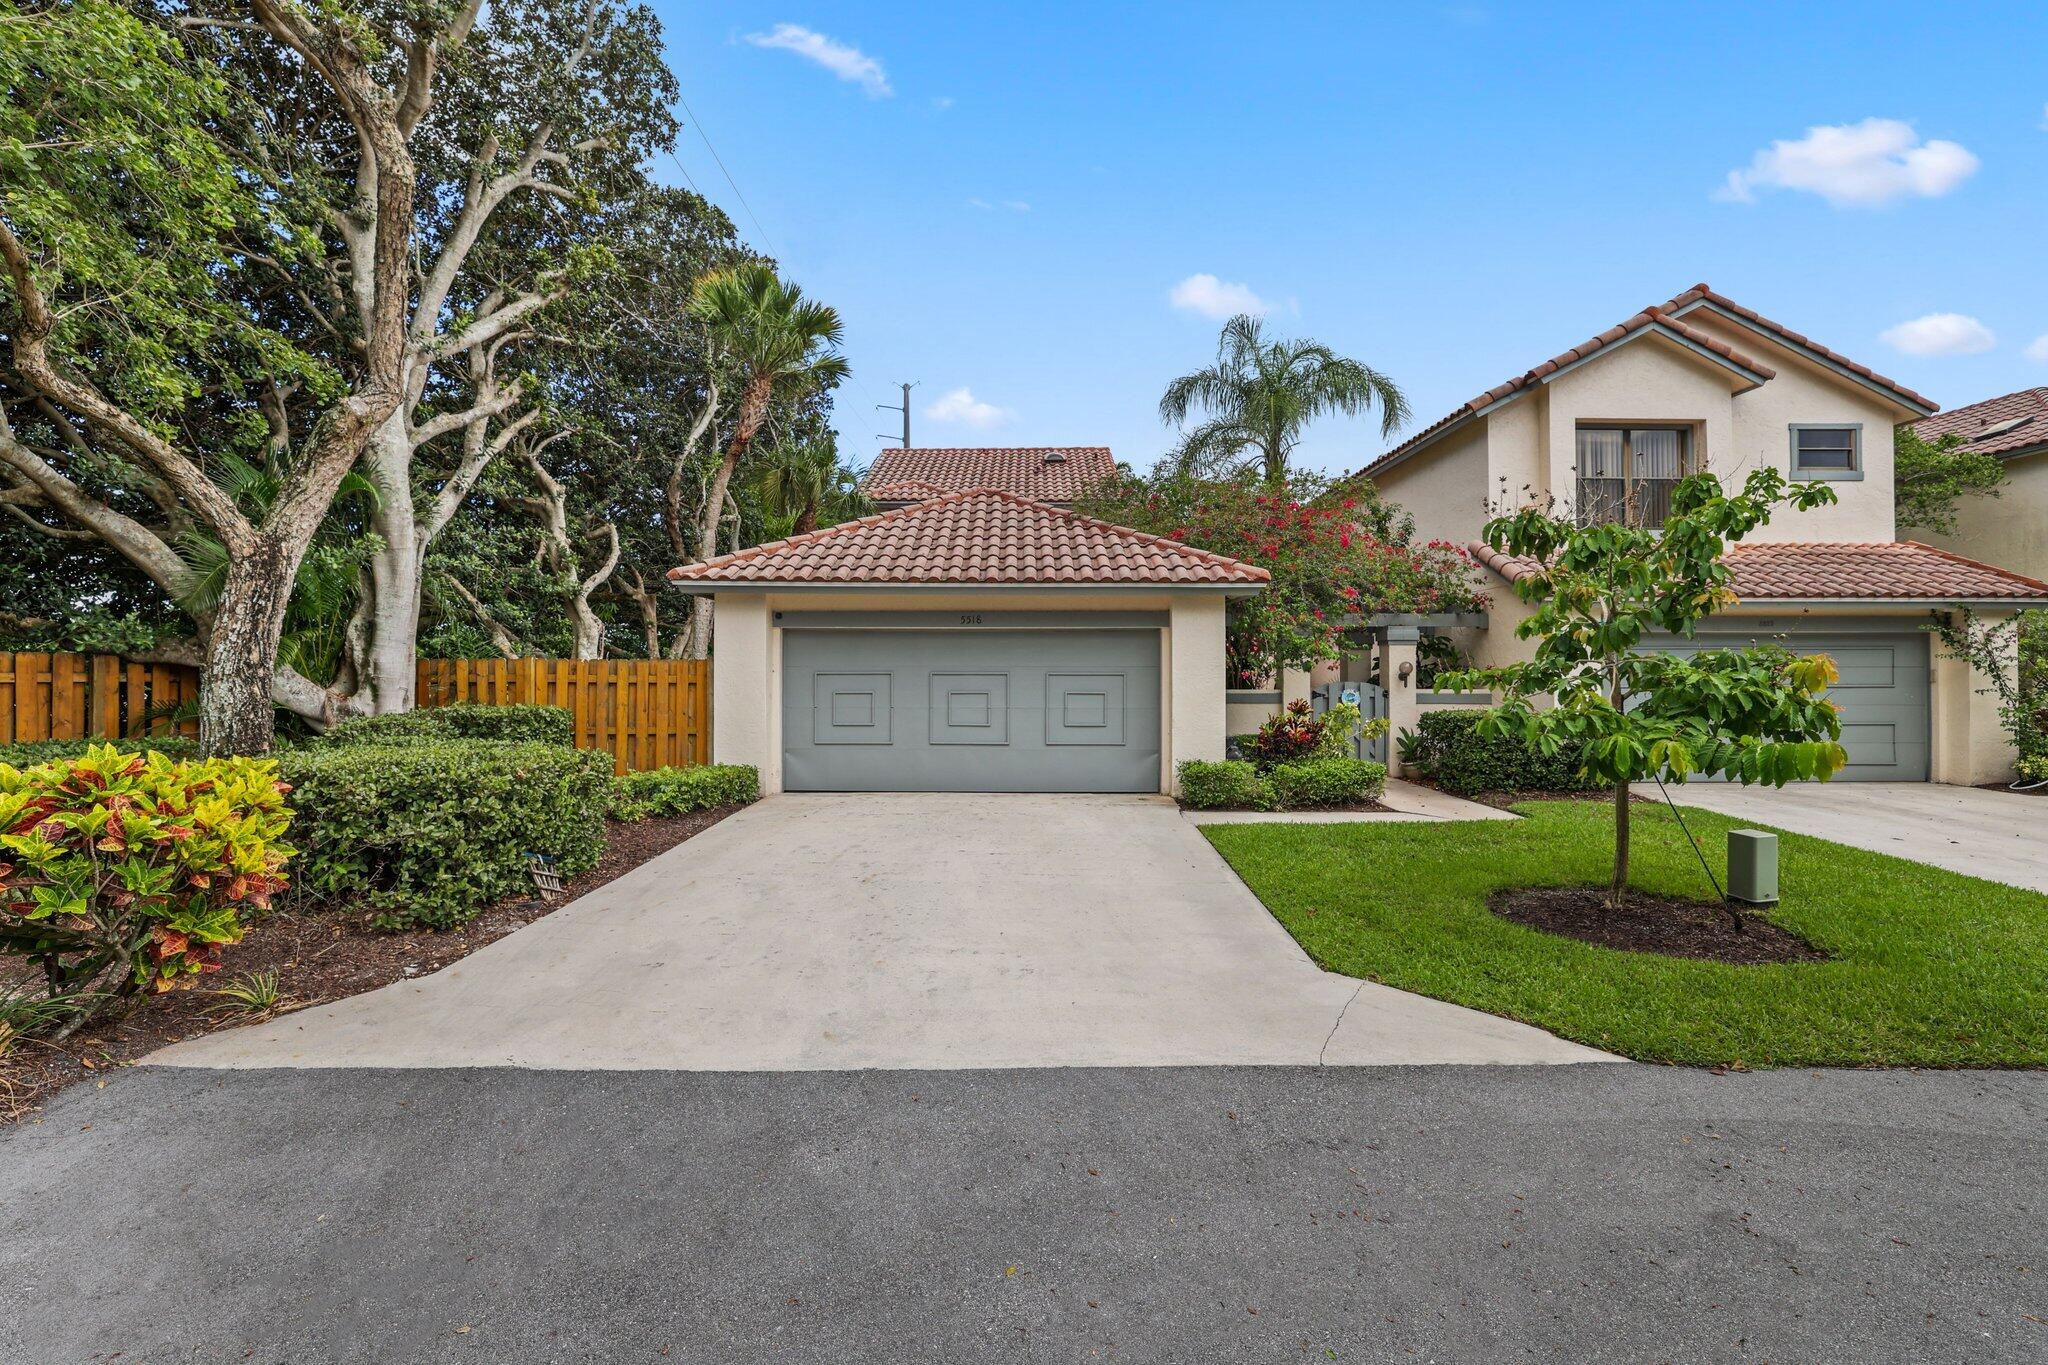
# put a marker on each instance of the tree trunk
(1617, 891)
(389, 666)
(753, 408)
(236, 715)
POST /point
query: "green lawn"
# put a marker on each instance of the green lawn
(1930, 968)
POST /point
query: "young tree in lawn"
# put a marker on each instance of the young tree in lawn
(1931, 478)
(781, 344)
(1260, 396)
(1630, 713)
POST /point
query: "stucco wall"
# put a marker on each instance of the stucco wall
(1762, 435)
(1445, 489)
(2010, 530)
(746, 677)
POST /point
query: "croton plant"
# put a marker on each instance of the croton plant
(121, 872)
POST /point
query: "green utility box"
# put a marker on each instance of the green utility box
(1752, 867)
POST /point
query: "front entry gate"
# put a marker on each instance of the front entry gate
(1372, 704)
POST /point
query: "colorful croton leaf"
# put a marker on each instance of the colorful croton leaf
(121, 872)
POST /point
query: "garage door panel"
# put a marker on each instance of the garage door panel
(1084, 708)
(1882, 695)
(972, 710)
(852, 708)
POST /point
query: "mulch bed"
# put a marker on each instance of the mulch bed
(1654, 924)
(319, 954)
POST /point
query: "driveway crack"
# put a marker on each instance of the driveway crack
(1339, 1024)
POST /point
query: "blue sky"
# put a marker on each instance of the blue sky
(1003, 199)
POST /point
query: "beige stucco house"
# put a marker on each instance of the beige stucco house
(975, 640)
(2012, 528)
(1702, 383)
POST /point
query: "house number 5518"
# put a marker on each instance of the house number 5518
(970, 618)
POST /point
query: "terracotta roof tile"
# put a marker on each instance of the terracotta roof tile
(984, 535)
(2028, 409)
(1702, 293)
(1890, 571)
(1669, 317)
(1046, 473)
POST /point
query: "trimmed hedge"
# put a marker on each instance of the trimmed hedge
(1230, 785)
(1311, 783)
(427, 833)
(678, 791)
(464, 720)
(1447, 747)
(31, 752)
(1327, 782)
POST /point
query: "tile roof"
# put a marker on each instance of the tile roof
(1701, 294)
(2029, 407)
(1887, 571)
(983, 536)
(1669, 319)
(1046, 473)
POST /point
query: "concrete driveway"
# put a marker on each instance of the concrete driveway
(824, 932)
(2000, 836)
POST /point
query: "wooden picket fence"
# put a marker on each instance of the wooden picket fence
(647, 713)
(78, 696)
(650, 713)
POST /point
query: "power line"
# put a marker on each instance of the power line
(691, 116)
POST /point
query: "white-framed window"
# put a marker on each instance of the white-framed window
(1831, 450)
(1626, 473)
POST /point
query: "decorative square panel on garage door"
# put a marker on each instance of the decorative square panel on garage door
(970, 708)
(1084, 708)
(850, 708)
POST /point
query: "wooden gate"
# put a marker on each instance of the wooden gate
(1372, 704)
(650, 713)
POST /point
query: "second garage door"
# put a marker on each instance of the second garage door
(1883, 694)
(971, 710)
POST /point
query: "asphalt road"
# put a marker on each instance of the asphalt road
(1575, 1213)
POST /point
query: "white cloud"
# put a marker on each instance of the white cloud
(942, 101)
(1016, 206)
(2037, 349)
(1212, 298)
(847, 63)
(1013, 205)
(962, 407)
(979, 203)
(1855, 165)
(1940, 334)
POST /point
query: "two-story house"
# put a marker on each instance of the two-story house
(1607, 429)
(2012, 528)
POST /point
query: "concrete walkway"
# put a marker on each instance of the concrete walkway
(900, 931)
(2000, 836)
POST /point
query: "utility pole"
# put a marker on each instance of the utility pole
(905, 410)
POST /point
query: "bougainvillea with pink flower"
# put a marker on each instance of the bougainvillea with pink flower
(1334, 553)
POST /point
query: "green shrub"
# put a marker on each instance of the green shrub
(121, 872)
(677, 791)
(1446, 747)
(427, 833)
(1327, 782)
(28, 753)
(463, 720)
(1230, 785)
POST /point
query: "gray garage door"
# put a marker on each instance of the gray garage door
(1883, 694)
(995, 710)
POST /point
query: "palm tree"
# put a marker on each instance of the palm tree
(800, 481)
(1260, 394)
(783, 346)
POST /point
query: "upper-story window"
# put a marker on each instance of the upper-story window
(1827, 452)
(1626, 474)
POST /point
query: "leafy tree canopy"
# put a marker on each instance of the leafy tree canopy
(1931, 479)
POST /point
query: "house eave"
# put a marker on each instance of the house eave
(1811, 356)
(703, 588)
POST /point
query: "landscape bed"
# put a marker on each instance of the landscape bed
(1924, 967)
(319, 953)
